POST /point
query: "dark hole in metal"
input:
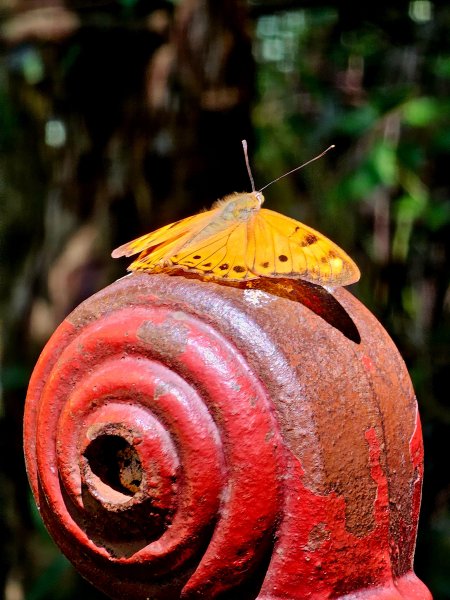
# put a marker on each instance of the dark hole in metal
(113, 460)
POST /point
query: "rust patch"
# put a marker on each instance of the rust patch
(318, 535)
(168, 339)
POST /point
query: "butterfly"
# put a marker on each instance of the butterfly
(238, 241)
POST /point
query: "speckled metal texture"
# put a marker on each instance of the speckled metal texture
(185, 439)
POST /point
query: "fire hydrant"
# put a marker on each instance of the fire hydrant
(186, 439)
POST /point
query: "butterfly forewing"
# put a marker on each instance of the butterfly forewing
(155, 257)
(236, 257)
(168, 233)
(273, 248)
(204, 255)
(221, 256)
(261, 255)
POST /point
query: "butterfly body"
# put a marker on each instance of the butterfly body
(237, 240)
(235, 208)
(239, 207)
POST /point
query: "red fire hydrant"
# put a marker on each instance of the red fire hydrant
(188, 440)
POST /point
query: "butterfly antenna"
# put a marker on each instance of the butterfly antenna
(249, 171)
(299, 167)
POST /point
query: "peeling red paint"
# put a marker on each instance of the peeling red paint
(368, 364)
(332, 569)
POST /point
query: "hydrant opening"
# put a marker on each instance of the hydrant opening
(115, 462)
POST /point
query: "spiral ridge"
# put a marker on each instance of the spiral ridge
(149, 470)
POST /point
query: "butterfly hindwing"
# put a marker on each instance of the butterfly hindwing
(221, 256)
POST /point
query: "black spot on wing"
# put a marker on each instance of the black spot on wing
(310, 239)
(239, 269)
(282, 258)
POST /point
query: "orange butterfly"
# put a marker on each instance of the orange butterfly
(237, 240)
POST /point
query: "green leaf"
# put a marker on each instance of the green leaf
(421, 112)
(356, 186)
(384, 162)
(406, 211)
(408, 208)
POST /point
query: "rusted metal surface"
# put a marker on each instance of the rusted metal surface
(185, 440)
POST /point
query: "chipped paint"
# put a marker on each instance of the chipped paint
(257, 297)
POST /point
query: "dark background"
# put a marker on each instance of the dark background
(117, 117)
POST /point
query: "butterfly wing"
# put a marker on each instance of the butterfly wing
(283, 247)
(213, 243)
(263, 243)
(222, 255)
(169, 234)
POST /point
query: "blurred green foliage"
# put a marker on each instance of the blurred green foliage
(374, 81)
